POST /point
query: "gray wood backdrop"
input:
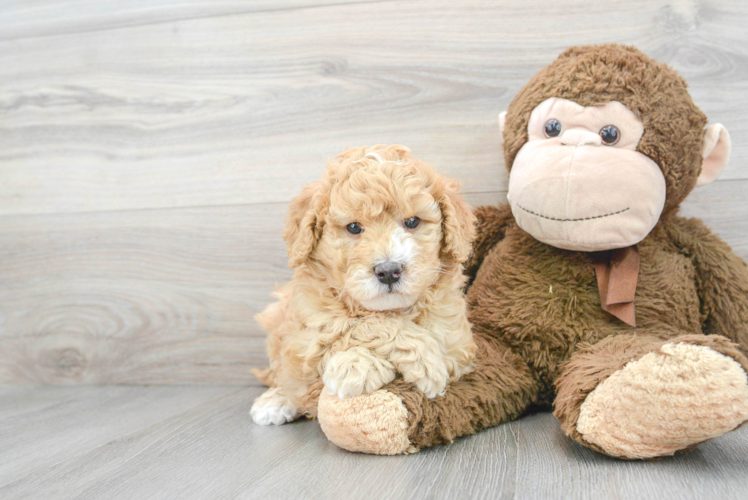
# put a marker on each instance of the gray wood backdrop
(149, 148)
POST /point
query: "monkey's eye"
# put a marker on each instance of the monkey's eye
(412, 223)
(552, 128)
(610, 135)
(354, 228)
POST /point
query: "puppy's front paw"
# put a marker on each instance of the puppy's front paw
(273, 408)
(429, 379)
(356, 371)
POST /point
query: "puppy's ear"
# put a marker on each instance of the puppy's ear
(302, 225)
(458, 223)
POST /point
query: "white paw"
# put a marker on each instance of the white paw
(356, 371)
(273, 408)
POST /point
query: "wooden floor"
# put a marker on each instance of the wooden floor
(197, 442)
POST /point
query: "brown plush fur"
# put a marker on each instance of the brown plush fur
(471, 403)
(536, 305)
(542, 335)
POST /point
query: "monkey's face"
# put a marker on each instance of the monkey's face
(579, 183)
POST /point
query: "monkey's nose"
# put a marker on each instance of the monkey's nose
(575, 137)
(388, 272)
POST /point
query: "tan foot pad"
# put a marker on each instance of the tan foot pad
(374, 423)
(666, 401)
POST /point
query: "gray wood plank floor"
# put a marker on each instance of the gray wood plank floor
(198, 442)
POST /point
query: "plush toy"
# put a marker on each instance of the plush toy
(589, 292)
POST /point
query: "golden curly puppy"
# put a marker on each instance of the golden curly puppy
(377, 246)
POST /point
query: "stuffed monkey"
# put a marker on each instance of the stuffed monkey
(588, 291)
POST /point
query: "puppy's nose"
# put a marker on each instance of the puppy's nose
(388, 272)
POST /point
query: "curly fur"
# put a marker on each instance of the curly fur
(324, 327)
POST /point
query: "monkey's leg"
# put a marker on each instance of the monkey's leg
(639, 396)
(400, 419)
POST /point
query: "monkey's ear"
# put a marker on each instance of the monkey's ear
(502, 122)
(715, 151)
(458, 222)
(302, 225)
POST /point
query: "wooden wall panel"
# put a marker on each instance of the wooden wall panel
(148, 151)
(245, 108)
(168, 296)
(36, 18)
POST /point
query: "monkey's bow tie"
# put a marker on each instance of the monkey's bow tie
(617, 273)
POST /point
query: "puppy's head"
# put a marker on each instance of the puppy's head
(381, 225)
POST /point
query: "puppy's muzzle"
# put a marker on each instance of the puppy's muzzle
(388, 272)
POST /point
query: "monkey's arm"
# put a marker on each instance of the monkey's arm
(399, 418)
(490, 229)
(721, 277)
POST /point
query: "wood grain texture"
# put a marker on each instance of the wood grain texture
(168, 296)
(39, 18)
(151, 296)
(550, 465)
(187, 442)
(148, 151)
(246, 108)
(138, 297)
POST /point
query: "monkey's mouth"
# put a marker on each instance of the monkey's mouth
(557, 219)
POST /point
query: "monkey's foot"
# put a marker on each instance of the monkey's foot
(666, 401)
(375, 423)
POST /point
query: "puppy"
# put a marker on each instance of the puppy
(377, 246)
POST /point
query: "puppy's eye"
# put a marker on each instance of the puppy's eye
(412, 223)
(552, 128)
(354, 228)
